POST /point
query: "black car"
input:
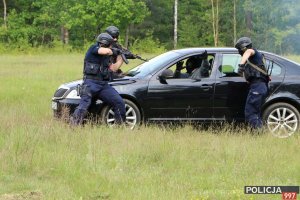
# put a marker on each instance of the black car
(152, 92)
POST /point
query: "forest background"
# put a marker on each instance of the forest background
(148, 26)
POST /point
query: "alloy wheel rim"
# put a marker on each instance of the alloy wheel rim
(282, 122)
(131, 117)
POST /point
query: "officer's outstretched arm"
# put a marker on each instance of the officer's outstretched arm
(105, 51)
(115, 66)
(246, 55)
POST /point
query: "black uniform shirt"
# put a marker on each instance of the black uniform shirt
(92, 56)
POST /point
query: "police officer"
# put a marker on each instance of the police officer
(253, 68)
(97, 68)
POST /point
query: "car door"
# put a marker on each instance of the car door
(230, 89)
(180, 98)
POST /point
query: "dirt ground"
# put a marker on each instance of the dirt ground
(22, 196)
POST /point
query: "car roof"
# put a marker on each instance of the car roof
(208, 49)
(192, 50)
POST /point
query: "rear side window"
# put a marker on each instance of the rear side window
(273, 68)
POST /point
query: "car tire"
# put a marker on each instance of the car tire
(133, 115)
(282, 119)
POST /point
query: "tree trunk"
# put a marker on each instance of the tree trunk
(127, 36)
(249, 22)
(234, 22)
(175, 23)
(4, 14)
(248, 16)
(215, 21)
(217, 24)
(64, 35)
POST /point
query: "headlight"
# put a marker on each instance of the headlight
(73, 95)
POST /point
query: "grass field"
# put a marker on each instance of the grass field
(42, 158)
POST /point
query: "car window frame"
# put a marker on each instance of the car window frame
(275, 61)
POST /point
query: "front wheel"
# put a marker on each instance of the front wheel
(282, 119)
(133, 115)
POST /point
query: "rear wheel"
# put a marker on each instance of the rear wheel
(282, 119)
(133, 115)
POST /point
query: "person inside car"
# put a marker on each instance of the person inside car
(191, 64)
(204, 69)
(196, 67)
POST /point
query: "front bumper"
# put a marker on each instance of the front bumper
(66, 107)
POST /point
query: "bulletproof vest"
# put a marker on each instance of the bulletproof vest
(250, 72)
(96, 72)
(96, 66)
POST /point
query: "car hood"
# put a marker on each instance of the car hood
(120, 81)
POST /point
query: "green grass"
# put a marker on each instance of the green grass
(42, 158)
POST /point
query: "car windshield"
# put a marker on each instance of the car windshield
(152, 65)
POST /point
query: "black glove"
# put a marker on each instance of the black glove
(179, 65)
(115, 51)
(241, 68)
(204, 55)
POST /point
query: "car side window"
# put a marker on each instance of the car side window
(230, 64)
(193, 67)
(273, 68)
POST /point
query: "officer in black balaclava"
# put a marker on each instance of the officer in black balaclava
(114, 32)
(252, 67)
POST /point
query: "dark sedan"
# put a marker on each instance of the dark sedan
(152, 92)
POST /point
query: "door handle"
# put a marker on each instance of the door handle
(205, 86)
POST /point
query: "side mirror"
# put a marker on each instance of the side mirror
(162, 79)
(167, 73)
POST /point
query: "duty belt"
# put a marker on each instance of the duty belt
(97, 78)
(258, 80)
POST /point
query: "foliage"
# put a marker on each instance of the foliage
(148, 45)
(40, 23)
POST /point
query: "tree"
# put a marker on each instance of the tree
(248, 6)
(234, 21)
(122, 13)
(4, 13)
(159, 24)
(175, 23)
(215, 21)
(194, 27)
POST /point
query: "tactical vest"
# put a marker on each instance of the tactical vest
(96, 71)
(251, 72)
